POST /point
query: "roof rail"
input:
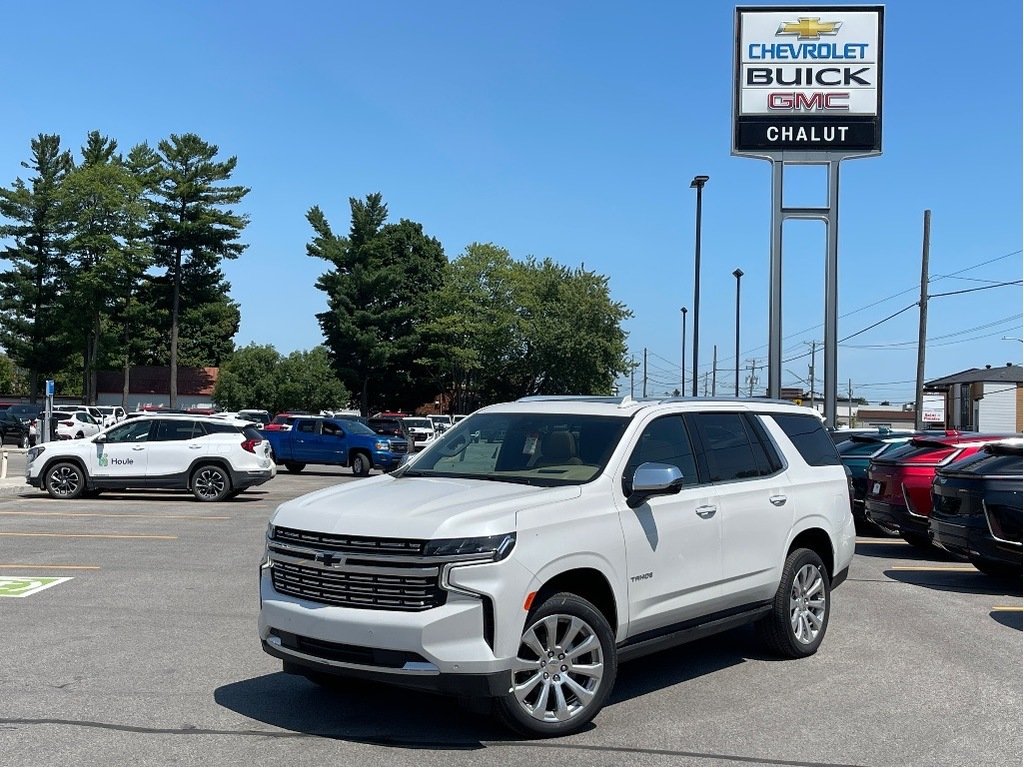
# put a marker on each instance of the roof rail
(622, 402)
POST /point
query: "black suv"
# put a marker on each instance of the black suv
(13, 430)
(387, 425)
(976, 508)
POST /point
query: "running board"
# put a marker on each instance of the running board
(669, 637)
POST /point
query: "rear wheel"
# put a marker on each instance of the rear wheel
(210, 483)
(360, 464)
(294, 466)
(65, 480)
(796, 626)
(564, 669)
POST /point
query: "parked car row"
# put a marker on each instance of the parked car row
(959, 491)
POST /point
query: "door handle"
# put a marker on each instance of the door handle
(195, 447)
(707, 511)
(138, 447)
(778, 500)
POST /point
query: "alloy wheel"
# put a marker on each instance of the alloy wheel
(209, 483)
(64, 481)
(807, 604)
(558, 668)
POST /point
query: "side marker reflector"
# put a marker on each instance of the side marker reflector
(529, 601)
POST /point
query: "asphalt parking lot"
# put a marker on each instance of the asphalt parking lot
(148, 655)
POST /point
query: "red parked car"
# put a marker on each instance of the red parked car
(899, 492)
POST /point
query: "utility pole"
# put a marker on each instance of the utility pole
(706, 374)
(752, 378)
(645, 372)
(632, 375)
(849, 403)
(922, 328)
(810, 370)
(714, 371)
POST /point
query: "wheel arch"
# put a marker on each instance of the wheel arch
(202, 461)
(587, 582)
(359, 449)
(64, 460)
(818, 541)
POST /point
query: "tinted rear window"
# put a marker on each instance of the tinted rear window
(730, 450)
(985, 463)
(809, 437)
(216, 428)
(857, 447)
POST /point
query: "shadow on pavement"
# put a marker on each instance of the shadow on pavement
(1011, 619)
(968, 582)
(382, 715)
(899, 549)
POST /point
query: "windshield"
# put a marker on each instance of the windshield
(532, 448)
(420, 423)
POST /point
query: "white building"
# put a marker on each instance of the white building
(983, 399)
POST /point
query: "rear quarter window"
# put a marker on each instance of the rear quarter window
(809, 437)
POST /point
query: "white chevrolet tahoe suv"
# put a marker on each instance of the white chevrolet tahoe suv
(585, 531)
(213, 458)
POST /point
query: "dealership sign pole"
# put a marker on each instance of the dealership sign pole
(808, 91)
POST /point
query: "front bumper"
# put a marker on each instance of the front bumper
(442, 649)
(386, 461)
(895, 517)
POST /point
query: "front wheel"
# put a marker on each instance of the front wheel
(210, 483)
(294, 466)
(796, 626)
(360, 465)
(564, 669)
(65, 480)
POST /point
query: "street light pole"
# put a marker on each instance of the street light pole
(682, 358)
(698, 184)
(737, 273)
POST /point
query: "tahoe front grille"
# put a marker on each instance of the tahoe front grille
(354, 544)
(384, 588)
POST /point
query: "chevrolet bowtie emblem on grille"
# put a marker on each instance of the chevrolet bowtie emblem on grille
(809, 28)
(329, 559)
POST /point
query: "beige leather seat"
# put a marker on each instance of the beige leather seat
(558, 448)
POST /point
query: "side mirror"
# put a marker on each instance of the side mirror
(654, 479)
(100, 439)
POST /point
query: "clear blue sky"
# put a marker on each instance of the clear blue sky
(567, 130)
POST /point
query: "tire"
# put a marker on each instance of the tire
(294, 466)
(210, 483)
(800, 611)
(65, 480)
(80, 435)
(567, 649)
(361, 464)
(995, 568)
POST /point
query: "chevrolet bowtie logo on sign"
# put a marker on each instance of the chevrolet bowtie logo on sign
(809, 28)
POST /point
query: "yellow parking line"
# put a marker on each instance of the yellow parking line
(1016, 608)
(91, 535)
(52, 567)
(947, 568)
(102, 514)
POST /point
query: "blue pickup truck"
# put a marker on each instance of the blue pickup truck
(341, 442)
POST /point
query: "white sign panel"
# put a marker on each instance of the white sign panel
(808, 78)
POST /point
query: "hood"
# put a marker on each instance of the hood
(417, 507)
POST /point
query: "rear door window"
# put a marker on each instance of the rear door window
(809, 437)
(726, 447)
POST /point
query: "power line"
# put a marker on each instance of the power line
(972, 290)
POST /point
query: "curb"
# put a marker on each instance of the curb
(14, 488)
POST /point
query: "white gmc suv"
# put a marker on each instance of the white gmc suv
(536, 544)
(213, 458)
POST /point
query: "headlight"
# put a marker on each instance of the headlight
(482, 547)
(382, 445)
(35, 453)
(270, 531)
